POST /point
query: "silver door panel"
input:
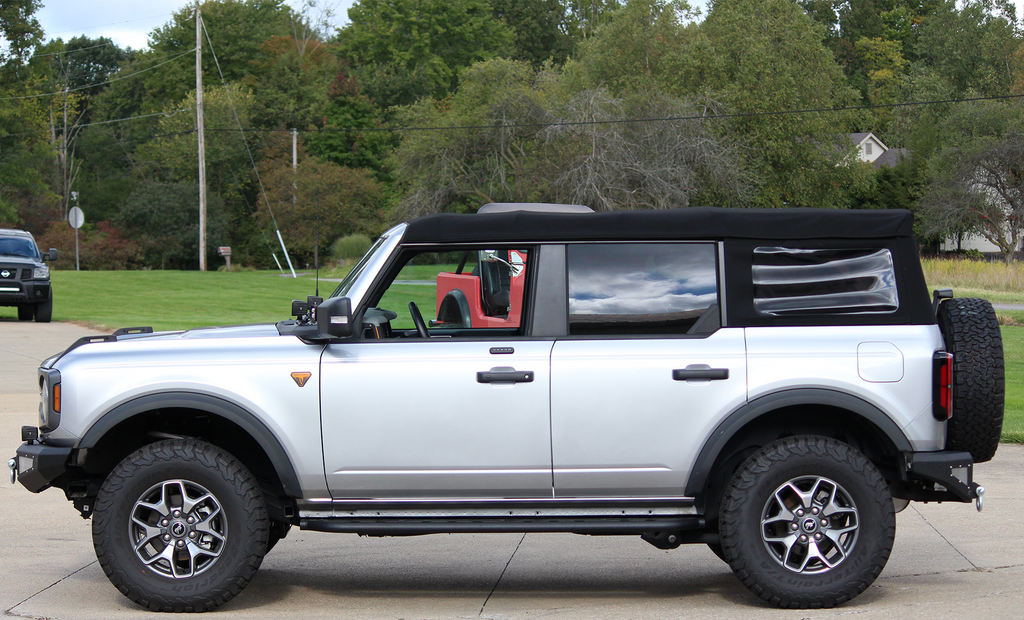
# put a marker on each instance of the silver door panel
(410, 420)
(622, 426)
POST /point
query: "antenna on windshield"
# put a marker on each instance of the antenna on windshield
(316, 247)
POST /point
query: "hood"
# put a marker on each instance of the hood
(201, 334)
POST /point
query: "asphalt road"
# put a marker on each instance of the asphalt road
(949, 561)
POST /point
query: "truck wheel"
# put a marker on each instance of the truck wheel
(26, 312)
(180, 525)
(972, 335)
(807, 522)
(44, 311)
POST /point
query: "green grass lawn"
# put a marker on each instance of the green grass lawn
(1013, 354)
(173, 300)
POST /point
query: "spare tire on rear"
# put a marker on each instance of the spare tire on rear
(971, 332)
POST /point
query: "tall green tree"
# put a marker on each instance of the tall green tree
(584, 17)
(639, 45)
(539, 27)
(290, 83)
(318, 201)
(237, 29)
(970, 48)
(174, 154)
(762, 57)
(396, 44)
(19, 33)
(353, 134)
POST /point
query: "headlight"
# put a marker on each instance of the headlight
(41, 272)
(49, 399)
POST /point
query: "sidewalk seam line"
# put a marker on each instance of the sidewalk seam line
(491, 593)
(10, 611)
(936, 530)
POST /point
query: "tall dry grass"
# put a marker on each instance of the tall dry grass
(974, 275)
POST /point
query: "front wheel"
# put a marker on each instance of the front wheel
(180, 525)
(807, 522)
(44, 310)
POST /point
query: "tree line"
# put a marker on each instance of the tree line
(425, 106)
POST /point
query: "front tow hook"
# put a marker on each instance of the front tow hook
(979, 502)
(13, 465)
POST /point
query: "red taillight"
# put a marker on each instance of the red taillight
(942, 378)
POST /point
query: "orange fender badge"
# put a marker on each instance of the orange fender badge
(301, 378)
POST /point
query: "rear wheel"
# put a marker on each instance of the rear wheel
(807, 522)
(180, 525)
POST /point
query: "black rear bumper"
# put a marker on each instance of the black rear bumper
(940, 476)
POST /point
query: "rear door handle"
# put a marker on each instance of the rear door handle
(505, 376)
(712, 374)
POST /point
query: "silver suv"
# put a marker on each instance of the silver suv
(774, 384)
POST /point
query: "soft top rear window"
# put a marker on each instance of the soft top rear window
(791, 281)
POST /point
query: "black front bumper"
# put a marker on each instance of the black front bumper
(940, 476)
(38, 465)
(32, 292)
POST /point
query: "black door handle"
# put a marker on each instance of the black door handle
(713, 374)
(505, 376)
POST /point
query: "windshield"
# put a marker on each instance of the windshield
(18, 246)
(350, 279)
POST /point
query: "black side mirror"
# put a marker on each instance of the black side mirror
(334, 318)
(51, 255)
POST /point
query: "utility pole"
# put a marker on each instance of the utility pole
(202, 139)
(295, 163)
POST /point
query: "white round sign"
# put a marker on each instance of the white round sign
(75, 217)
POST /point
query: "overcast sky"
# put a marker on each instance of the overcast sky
(126, 22)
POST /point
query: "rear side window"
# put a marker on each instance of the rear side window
(790, 281)
(641, 288)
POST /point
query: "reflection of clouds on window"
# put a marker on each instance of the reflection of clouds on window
(632, 279)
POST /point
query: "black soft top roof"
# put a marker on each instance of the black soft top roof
(670, 224)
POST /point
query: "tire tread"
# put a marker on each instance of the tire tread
(214, 459)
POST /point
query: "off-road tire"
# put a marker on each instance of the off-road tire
(971, 332)
(742, 522)
(235, 491)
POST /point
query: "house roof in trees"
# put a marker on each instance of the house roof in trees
(891, 157)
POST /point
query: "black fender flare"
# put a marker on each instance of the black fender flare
(458, 298)
(749, 412)
(211, 404)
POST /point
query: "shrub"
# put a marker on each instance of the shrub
(100, 248)
(350, 247)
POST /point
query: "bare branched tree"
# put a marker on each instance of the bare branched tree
(313, 24)
(508, 143)
(654, 163)
(984, 194)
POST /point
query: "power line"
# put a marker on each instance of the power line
(622, 121)
(127, 21)
(87, 86)
(107, 122)
(74, 51)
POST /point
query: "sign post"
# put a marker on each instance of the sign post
(76, 218)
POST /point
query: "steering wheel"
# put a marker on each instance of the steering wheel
(417, 320)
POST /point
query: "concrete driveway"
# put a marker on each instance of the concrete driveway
(949, 561)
